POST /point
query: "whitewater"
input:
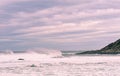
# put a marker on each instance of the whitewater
(44, 62)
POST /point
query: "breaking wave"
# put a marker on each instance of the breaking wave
(38, 51)
(7, 52)
(44, 51)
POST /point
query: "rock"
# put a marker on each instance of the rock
(33, 65)
(20, 59)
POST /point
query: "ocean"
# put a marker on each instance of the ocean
(56, 63)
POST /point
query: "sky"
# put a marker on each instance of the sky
(58, 24)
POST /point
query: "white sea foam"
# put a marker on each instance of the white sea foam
(68, 66)
(34, 54)
(45, 65)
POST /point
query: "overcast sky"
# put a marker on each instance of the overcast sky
(58, 24)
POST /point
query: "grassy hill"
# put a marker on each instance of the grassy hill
(112, 48)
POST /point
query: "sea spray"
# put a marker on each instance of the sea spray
(44, 51)
(6, 52)
(34, 54)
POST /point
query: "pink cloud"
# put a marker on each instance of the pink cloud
(6, 2)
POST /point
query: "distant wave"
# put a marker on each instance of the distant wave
(50, 52)
(10, 52)
(39, 51)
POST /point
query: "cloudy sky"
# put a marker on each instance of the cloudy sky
(58, 24)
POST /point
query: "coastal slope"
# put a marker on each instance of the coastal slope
(112, 48)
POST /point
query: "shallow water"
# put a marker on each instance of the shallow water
(64, 66)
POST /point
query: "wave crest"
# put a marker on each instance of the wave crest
(7, 52)
(44, 51)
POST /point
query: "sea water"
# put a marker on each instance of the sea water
(56, 63)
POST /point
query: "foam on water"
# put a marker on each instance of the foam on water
(30, 54)
(42, 62)
(67, 66)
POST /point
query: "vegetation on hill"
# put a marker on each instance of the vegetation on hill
(113, 48)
